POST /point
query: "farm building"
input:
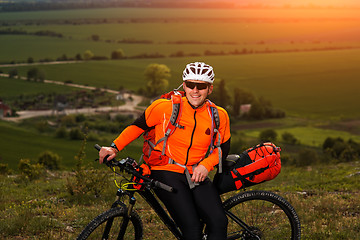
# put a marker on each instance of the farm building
(4, 110)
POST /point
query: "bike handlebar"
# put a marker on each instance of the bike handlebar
(127, 164)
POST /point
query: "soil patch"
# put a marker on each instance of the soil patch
(351, 126)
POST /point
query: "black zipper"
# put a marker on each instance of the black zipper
(191, 141)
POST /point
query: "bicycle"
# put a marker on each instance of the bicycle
(251, 214)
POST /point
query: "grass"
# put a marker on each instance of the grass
(309, 136)
(13, 88)
(25, 141)
(326, 199)
(312, 85)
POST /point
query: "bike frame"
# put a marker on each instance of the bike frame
(149, 196)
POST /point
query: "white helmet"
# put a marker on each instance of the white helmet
(199, 71)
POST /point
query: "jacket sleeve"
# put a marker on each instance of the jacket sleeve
(139, 126)
(129, 134)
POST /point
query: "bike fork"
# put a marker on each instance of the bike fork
(126, 218)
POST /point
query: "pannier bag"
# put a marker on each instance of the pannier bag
(255, 165)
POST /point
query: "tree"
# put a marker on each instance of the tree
(95, 37)
(13, 73)
(88, 55)
(30, 60)
(78, 57)
(241, 96)
(268, 135)
(221, 95)
(34, 74)
(118, 54)
(257, 111)
(157, 76)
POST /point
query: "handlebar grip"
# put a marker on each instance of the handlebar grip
(97, 147)
(164, 186)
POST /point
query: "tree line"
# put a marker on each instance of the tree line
(11, 6)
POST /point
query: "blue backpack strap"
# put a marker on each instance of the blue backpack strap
(216, 137)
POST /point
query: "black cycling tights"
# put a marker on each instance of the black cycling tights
(187, 206)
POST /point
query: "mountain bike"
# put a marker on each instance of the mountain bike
(252, 214)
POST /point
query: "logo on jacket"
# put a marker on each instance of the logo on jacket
(208, 132)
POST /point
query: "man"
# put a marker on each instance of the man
(187, 148)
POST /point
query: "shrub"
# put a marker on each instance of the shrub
(307, 157)
(76, 134)
(86, 181)
(287, 159)
(31, 171)
(340, 150)
(289, 138)
(61, 132)
(268, 135)
(68, 120)
(4, 169)
(49, 160)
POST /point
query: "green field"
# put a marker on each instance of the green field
(215, 30)
(304, 61)
(13, 88)
(315, 78)
(310, 84)
(19, 142)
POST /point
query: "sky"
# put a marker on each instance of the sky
(301, 2)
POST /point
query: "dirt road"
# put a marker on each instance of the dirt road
(131, 104)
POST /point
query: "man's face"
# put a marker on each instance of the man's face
(197, 91)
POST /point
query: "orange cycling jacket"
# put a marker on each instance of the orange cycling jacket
(188, 144)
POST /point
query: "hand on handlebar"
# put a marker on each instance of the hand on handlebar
(107, 153)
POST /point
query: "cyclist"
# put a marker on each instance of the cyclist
(187, 147)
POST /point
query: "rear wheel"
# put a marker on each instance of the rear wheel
(109, 224)
(266, 215)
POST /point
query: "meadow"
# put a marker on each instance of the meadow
(326, 199)
(216, 30)
(305, 61)
(315, 88)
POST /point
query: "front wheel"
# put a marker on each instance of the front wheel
(113, 224)
(261, 215)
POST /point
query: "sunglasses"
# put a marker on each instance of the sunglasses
(199, 86)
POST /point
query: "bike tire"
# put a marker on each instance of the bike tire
(268, 215)
(95, 229)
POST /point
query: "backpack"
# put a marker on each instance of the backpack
(255, 165)
(159, 158)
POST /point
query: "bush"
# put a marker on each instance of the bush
(61, 132)
(87, 181)
(340, 150)
(30, 171)
(76, 134)
(49, 160)
(307, 157)
(289, 138)
(287, 159)
(68, 120)
(268, 135)
(4, 169)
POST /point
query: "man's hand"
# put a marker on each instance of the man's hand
(199, 174)
(107, 151)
